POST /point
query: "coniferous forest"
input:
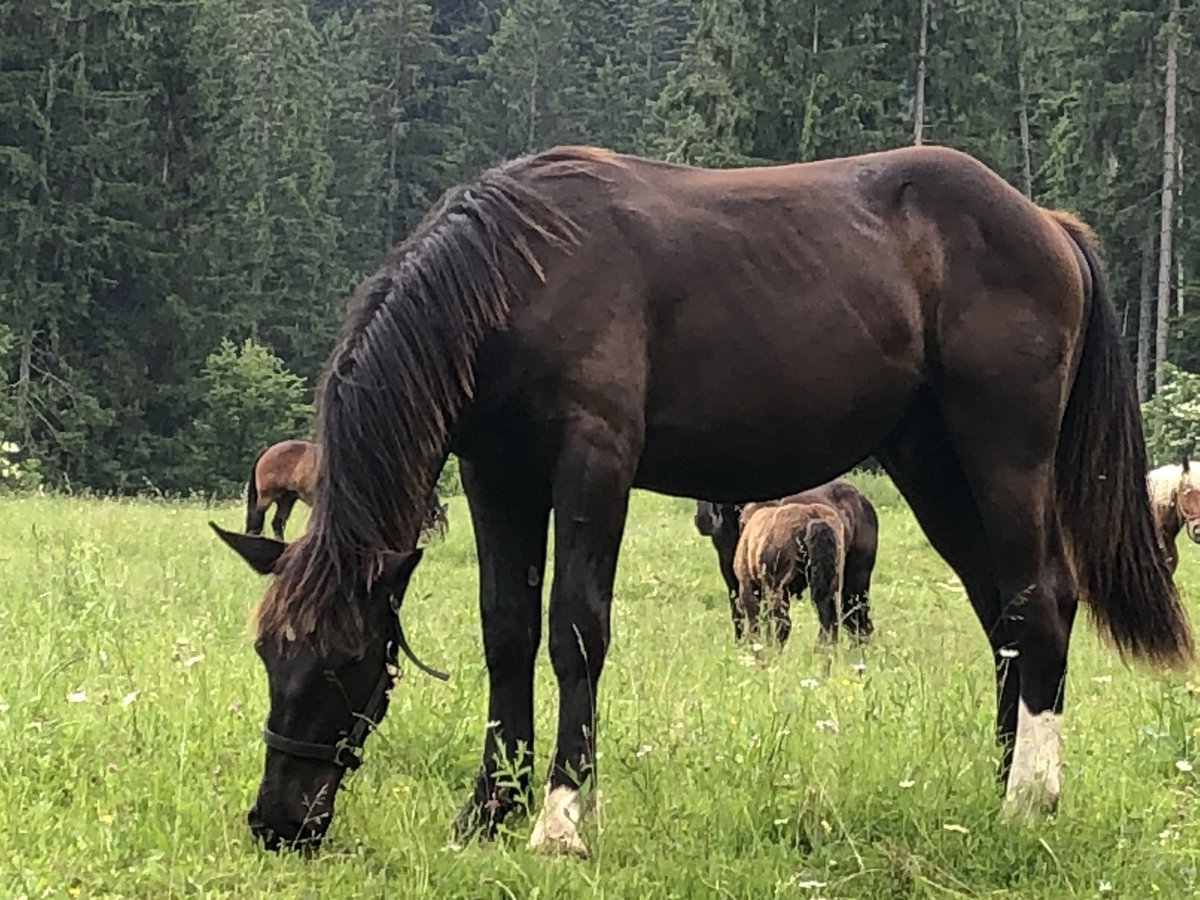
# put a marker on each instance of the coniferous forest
(190, 188)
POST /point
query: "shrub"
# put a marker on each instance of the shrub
(1171, 417)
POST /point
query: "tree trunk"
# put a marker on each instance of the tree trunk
(919, 99)
(24, 371)
(1023, 100)
(1179, 304)
(1145, 310)
(810, 104)
(1166, 220)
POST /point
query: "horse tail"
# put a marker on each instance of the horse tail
(1104, 505)
(252, 490)
(776, 563)
(824, 562)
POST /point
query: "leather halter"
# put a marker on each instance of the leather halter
(1187, 502)
(347, 752)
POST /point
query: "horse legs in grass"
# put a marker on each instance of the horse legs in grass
(256, 516)
(283, 511)
(510, 517)
(726, 548)
(856, 590)
(920, 461)
(781, 615)
(1007, 463)
(591, 498)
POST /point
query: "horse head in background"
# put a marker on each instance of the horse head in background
(1175, 502)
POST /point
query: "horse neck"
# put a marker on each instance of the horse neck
(1170, 521)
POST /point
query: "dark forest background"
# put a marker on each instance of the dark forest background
(190, 188)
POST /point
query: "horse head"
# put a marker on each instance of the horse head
(329, 678)
(1187, 500)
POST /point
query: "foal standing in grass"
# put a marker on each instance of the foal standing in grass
(785, 547)
(723, 523)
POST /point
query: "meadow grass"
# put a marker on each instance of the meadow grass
(131, 704)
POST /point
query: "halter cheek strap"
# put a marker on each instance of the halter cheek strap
(347, 752)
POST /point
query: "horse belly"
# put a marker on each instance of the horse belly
(763, 415)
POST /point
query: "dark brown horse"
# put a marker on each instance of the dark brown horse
(859, 527)
(287, 471)
(578, 323)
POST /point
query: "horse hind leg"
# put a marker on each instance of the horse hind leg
(1007, 449)
(919, 459)
(256, 515)
(856, 592)
(283, 511)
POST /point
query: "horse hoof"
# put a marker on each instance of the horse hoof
(1027, 809)
(1029, 804)
(472, 823)
(556, 831)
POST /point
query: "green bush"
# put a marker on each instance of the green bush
(1171, 417)
(249, 400)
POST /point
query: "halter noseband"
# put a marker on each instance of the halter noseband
(347, 751)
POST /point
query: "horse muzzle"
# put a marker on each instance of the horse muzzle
(286, 833)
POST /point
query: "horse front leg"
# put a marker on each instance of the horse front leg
(591, 498)
(510, 517)
(726, 547)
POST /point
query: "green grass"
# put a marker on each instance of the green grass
(131, 704)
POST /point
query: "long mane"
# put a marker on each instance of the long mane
(402, 370)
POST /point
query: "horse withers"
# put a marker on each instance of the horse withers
(824, 540)
(579, 322)
(1175, 500)
(285, 472)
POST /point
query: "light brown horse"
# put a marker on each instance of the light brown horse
(281, 474)
(783, 548)
(287, 471)
(722, 522)
(1175, 501)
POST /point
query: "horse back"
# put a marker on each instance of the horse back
(288, 466)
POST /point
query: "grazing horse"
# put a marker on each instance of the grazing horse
(1175, 500)
(783, 548)
(578, 323)
(287, 471)
(722, 523)
(281, 474)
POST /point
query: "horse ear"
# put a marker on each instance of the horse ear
(395, 571)
(261, 553)
(1185, 464)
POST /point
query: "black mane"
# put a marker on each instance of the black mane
(401, 372)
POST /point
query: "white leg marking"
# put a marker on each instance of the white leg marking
(556, 830)
(1033, 782)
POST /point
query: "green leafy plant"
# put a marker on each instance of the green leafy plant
(249, 400)
(1171, 417)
